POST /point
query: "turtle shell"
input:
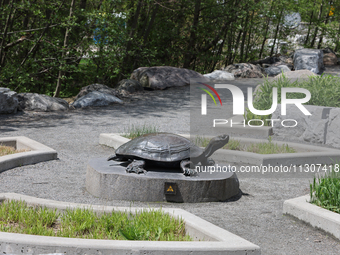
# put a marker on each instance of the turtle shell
(159, 147)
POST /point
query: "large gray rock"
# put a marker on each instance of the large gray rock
(8, 101)
(310, 59)
(95, 99)
(310, 128)
(333, 127)
(161, 77)
(246, 70)
(275, 70)
(129, 86)
(219, 75)
(40, 102)
(96, 87)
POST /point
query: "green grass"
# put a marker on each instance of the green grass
(260, 148)
(134, 131)
(325, 191)
(153, 225)
(324, 89)
(6, 150)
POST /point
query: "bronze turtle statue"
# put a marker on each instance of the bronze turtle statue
(166, 150)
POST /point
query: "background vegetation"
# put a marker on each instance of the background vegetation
(56, 47)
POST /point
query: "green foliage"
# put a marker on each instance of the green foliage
(259, 148)
(153, 225)
(325, 191)
(106, 40)
(324, 89)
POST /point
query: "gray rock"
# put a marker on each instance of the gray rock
(161, 77)
(294, 75)
(310, 128)
(330, 59)
(95, 99)
(310, 59)
(8, 101)
(96, 87)
(275, 70)
(333, 127)
(40, 102)
(246, 70)
(219, 75)
(130, 86)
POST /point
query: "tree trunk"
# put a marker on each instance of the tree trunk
(244, 35)
(310, 23)
(63, 54)
(316, 28)
(323, 31)
(188, 56)
(265, 34)
(276, 32)
(2, 55)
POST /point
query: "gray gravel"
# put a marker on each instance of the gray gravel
(256, 216)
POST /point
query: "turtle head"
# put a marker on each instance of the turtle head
(215, 144)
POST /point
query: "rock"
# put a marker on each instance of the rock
(328, 50)
(275, 70)
(96, 98)
(310, 59)
(246, 70)
(294, 75)
(161, 77)
(40, 102)
(96, 87)
(267, 60)
(219, 75)
(333, 127)
(129, 86)
(330, 59)
(310, 128)
(8, 101)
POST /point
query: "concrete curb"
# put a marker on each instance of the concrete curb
(37, 152)
(216, 239)
(314, 215)
(307, 154)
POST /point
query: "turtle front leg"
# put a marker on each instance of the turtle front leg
(185, 166)
(136, 166)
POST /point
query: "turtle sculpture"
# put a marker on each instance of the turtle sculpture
(166, 150)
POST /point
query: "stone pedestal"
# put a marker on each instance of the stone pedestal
(109, 180)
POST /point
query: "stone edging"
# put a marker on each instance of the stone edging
(312, 214)
(216, 239)
(307, 154)
(37, 152)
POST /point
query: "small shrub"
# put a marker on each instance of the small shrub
(134, 131)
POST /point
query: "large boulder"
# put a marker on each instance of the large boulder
(294, 75)
(275, 70)
(96, 87)
(310, 59)
(96, 99)
(246, 70)
(330, 59)
(161, 77)
(219, 75)
(8, 101)
(129, 86)
(310, 128)
(40, 102)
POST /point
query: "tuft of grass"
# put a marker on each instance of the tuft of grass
(325, 191)
(153, 225)
(260, 148)
(134, 131)
(328, 96)
(7, 150)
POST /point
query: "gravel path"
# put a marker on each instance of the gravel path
(256, 216)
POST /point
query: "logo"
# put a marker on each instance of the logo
(239, 102)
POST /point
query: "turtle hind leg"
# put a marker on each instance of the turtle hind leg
(186, 168)
(136, 166)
